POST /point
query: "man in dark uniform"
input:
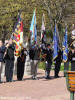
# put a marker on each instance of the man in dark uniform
(49, 54)
(58, 61)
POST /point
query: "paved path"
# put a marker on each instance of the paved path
(42, 89)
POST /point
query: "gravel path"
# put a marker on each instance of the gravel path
(42, 89)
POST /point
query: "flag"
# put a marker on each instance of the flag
(32, 22)
(18, 34)
(43, 27)
(33, 29)
(65, 47)
(55, 43)
(21, 33)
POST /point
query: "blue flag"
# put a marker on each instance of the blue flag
(65, 47)
(35, 31)
(55, 44)
(32, 27)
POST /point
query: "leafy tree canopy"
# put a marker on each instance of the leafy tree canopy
(61, 10)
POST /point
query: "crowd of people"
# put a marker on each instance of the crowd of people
(37, 53)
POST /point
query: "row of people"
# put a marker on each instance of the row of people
(47, 53)
(7, 58)
(7, 53)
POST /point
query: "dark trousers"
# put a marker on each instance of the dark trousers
(48, 68)
(66, 67)
(57, 68)
(20, 70)
(9, 66)
(72, 66)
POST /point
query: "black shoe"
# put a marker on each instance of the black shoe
(56, 77)
(10, 81)
(7, 81)
(47, 77)
(19, 79)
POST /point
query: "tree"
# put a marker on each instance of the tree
(61, 10)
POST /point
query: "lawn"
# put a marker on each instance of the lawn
(42, 66)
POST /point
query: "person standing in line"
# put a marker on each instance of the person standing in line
(2, 67)
(49, 54)
(58, 61)
(9, 61)
(21, 63)
(36, 61)
(34, 54)
(31, 55)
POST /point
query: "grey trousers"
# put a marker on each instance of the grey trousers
(9, 66)
(34, 66)
(2, 71)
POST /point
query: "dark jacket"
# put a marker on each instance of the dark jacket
(22, 57)
(34, 53)
(31, 53)
(37, 53)
(72, 57)
(2, 51)
(49, 54)
(59, 57)
(10, 52)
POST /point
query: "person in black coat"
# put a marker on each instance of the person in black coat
(9, 61)
(49, 54)
(58, 61)
(20, 64)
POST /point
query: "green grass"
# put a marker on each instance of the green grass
(42, 66)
